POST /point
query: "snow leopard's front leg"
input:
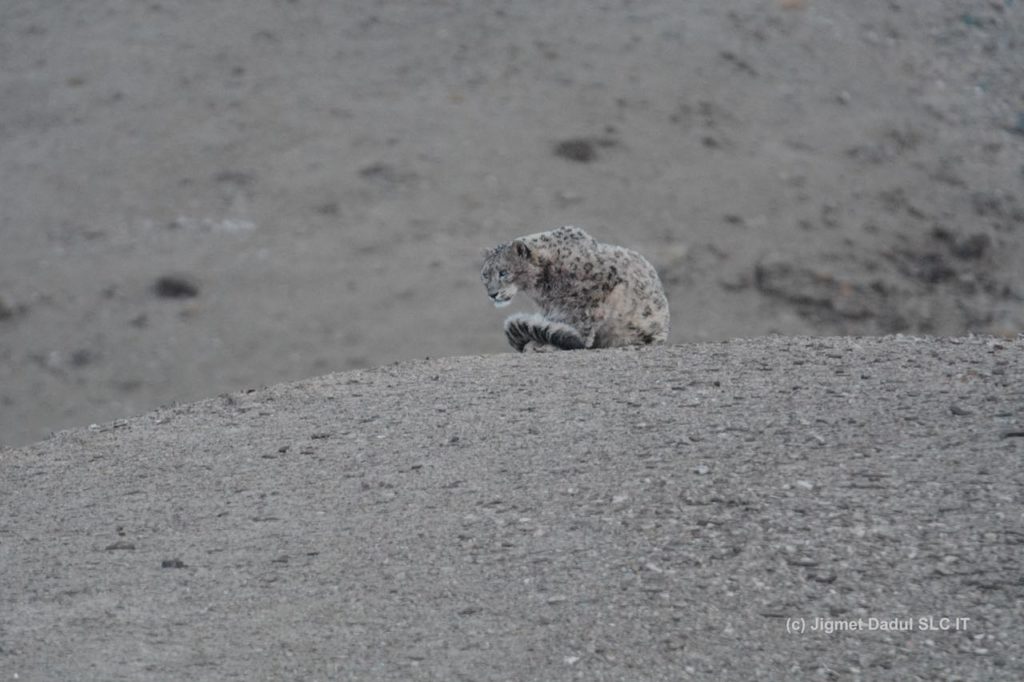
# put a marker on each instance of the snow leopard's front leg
(536, 332)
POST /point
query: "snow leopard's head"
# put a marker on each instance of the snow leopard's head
(507, 269)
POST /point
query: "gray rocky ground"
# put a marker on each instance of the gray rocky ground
(207, 195)
(200, 197)
(599, 515)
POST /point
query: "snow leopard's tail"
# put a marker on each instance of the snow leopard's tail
(521, 329)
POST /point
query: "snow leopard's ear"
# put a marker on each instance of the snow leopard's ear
(522, 250)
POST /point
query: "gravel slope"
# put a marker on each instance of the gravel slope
(606, 515)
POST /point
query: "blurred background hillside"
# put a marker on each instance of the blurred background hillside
(202, 196)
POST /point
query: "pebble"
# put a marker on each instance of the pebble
(173, 563)
(578, 150)
(176, 286)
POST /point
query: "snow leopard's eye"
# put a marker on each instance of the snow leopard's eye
(503, 275)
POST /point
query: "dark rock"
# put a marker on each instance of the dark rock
(176, 286)
(582, 149)
(173, 563)
(578, 150)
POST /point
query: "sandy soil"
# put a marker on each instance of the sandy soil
(197, 197)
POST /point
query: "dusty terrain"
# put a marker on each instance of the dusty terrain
(198, 197)
(656, 514)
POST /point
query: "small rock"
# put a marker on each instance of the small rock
(176, 286)
(582, 149)
(173, 563)
(959, 411)
(579, 150)
(120, 544)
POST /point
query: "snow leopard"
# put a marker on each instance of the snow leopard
(591, 295)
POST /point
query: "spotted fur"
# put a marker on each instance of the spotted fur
(591, 295)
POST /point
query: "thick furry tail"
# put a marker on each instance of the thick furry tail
(521, 329)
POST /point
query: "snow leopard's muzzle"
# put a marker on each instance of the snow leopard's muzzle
(501, 299)
(503, 296)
